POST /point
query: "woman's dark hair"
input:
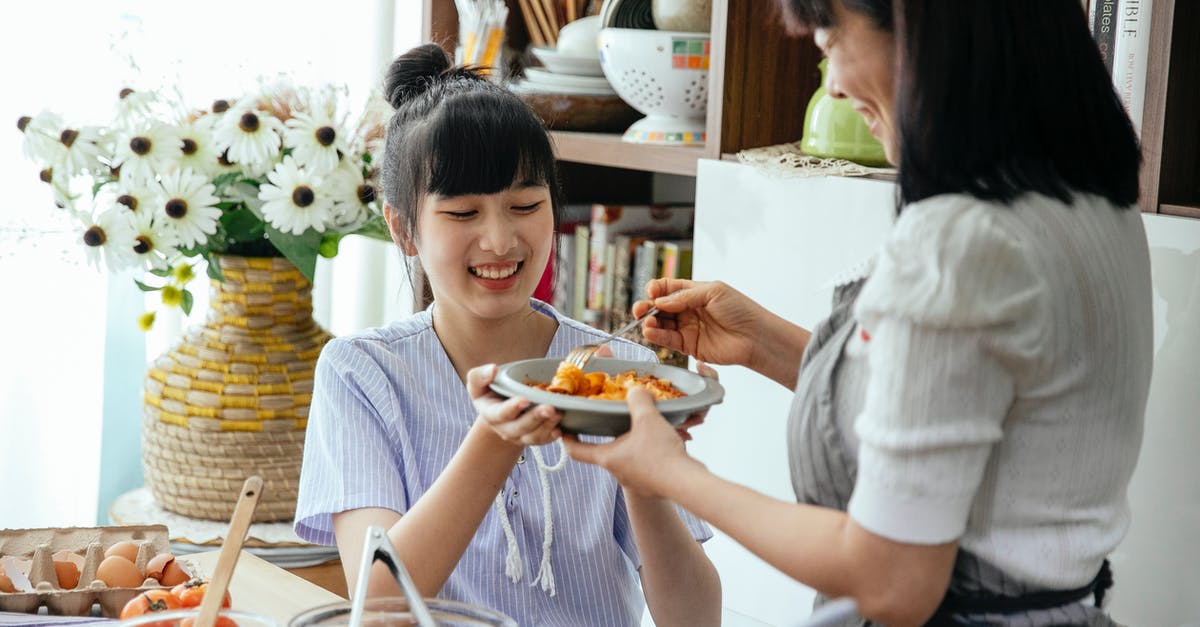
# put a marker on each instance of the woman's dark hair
(995, 99)
(808, 15)
(455, 133)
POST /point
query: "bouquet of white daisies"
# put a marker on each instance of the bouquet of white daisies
(280, 172)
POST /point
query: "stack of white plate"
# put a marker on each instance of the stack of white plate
(564, 74)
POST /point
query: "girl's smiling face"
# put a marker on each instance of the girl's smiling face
(484, 254)
(861, 69)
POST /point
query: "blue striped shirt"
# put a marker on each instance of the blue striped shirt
(388, 413)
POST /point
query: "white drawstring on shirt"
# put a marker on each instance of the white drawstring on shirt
(512, 563)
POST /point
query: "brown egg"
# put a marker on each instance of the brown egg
(6, 584)
(68, 574)
(174, 574)
(117, 572)
(158, 563)
(125, 549)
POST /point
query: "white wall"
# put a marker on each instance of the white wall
(782, 240)
(778, 241)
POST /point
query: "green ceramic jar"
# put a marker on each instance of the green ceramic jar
(833, 129)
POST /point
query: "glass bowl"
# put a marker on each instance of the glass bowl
(393, 611)
(187, 617)
(600, 417)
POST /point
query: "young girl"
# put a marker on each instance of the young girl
(404, 433)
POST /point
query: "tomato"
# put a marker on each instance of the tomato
(148, 602)
(191, 593)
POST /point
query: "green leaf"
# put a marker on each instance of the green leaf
(162, 272)
(146, 288)
(242, 226)
(366, 158)
(214, 267)
(186, 303)
(226, 178)
(301, 249)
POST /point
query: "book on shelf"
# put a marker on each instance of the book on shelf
(1103, 27)
(624, 288)
(579, 272)
(646, 266)
(610, 221)
(1130, 51)
(677, 259)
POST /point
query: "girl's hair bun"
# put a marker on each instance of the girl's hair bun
(415, 71)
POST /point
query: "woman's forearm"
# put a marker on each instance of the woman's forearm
(680, 583)
(779, 350)
(432, 536)
(893, 583)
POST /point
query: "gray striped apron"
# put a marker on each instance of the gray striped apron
(823, 469)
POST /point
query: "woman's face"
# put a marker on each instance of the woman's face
(860, 68)
(485, 253)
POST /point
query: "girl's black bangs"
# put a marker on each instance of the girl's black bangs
(483, 143)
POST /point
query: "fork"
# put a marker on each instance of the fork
(580, 355)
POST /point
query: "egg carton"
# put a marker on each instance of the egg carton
(27, 558)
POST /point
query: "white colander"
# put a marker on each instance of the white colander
(663, 74)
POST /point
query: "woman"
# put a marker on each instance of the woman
(404, 433)
(966, 422)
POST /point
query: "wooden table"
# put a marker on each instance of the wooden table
(261, 587)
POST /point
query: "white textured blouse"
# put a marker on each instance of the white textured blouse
(1009, 351)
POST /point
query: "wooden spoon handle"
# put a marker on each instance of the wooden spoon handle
(231, 548)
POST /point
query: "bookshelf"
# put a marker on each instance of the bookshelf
(760, 81)
(1171, 124)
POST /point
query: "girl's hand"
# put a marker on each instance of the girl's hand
(511, 419)
(644, 459)
(709, 321)
(697, 418)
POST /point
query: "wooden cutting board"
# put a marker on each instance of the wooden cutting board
(261, 587)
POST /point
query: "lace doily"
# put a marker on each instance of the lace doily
(787, 160)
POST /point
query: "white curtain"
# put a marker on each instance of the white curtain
(72, 56)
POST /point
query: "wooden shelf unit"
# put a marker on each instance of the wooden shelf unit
(1170, 178)
(760, 81)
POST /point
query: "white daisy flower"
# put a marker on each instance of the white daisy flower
(153, 246)
(248, 136)
(144, 151)
(130, 196)
(134, 108)
(188, 206)
(41, 137)
(108, 239)
(317, 142)
(295, 200)
(353, 199)
(82, 150)
(196, 151)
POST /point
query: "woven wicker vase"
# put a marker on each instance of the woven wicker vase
(231, 399)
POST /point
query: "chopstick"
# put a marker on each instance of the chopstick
(531, 25)
(571, 15)
(544, 22)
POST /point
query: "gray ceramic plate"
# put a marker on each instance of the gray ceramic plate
(596, 417)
